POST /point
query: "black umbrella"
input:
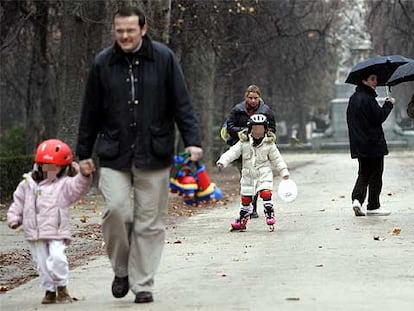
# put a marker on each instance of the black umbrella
(382, 66)
(403, 73)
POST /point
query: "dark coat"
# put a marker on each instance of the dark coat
(410, 108)
(131, 105)
(239, 116)
(365, 117)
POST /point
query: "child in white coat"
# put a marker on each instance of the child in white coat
(41, 204)
(259, 157)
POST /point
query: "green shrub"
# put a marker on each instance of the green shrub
(11, 172)
(12, 141)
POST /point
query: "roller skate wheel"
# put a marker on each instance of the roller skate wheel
(271, 228)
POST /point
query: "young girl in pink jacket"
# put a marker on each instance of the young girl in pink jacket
(41, 204)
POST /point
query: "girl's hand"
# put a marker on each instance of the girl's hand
(14, 225)
(286, 177)
(220, 166)
(75, 166)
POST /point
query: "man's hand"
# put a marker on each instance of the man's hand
(86, 167)
(390, 99)
(196, 153)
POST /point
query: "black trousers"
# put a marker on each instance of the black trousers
(369, 179)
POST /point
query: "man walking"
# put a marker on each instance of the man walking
(135, 95)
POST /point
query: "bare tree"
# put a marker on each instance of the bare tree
(391, 25)
(81, 37)
(40, 105)
(279, 45)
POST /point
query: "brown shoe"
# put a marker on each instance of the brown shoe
(50, 297)
(63, 295)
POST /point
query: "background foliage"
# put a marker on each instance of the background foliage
(290, 48)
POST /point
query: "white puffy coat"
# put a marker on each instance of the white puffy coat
(257, 162)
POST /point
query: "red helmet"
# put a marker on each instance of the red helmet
(53, 151)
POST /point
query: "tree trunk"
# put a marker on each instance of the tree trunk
(40, 105)
(82, 30)
(199, 66)
(159, 16)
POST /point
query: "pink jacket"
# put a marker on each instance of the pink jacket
(43, 208)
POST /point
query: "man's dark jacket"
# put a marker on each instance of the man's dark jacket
(365, 118)
(239, 116)
(136, 129)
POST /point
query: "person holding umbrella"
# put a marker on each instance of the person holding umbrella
(402, 74)
(410, 108)
(367, 142)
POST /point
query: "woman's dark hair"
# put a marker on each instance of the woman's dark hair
(132, 11)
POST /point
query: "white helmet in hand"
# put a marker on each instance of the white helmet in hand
(287, 190)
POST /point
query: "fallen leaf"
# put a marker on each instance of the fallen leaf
(396, 231)
(84, 218)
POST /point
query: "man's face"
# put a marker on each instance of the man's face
(258, 131)
(252, 99)
(371, 81)
(128, 33)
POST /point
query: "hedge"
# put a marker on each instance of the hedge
(11, 173)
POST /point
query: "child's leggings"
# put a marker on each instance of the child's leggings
(51, 262)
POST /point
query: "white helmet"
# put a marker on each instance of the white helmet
(257, 119)
(287, 190)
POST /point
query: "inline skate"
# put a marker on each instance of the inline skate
(240, 224)
(270, 216)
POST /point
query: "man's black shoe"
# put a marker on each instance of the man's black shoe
(143, 297)
(120, 287)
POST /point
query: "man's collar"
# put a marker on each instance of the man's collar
(145, 51)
